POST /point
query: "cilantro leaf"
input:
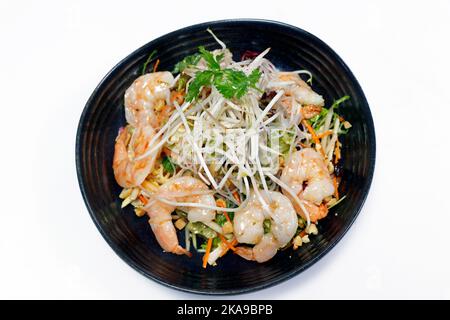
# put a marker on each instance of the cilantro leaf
(202, 78)
(209, 58)
(253, 78)
(188, 61)
(220, 57)
(230, 83)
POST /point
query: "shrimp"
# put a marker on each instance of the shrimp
(308, 166)
(147, 100)
(263, 251)
(316, 212)
(131, 143)
(248, 226)
(248, 222)
(179, 189)
(299, 100)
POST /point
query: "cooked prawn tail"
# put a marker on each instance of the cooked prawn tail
(245, 252)
(180, 250)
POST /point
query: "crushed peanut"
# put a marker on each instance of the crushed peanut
(125, 193)
(301, 222)
(297, 242)
(227, 227)
(134, 194)
(180, 223)
(312, 229)
(139, 212)
(347, 125)
(126, 202)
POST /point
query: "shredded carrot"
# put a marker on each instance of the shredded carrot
(224, 252)
(229, 245)
(221, 204)
(302, 233)
(233, 243)
(178, 96)
(155, 67)
(143, 199)
(303, 145)
(337, 152)
(314, 136)
(324, 134)
(208, 250)
(336, 186)
(227, 217)
(236, 196)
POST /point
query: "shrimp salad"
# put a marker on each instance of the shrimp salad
(236, 155)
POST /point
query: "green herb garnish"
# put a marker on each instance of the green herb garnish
(168, 165)
(230, 83)
(188, 61)
(318, 120)
(149, 59)
(221, 219)
(201, 229)
(203, 78)
(215, 243)
(182, 83)
(213, 63)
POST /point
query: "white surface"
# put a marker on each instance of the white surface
(53, 54)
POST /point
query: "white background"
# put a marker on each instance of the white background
(53, 54)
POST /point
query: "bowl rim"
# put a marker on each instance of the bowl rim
(286, 275)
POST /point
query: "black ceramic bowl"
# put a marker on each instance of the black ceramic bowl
(131, 237)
